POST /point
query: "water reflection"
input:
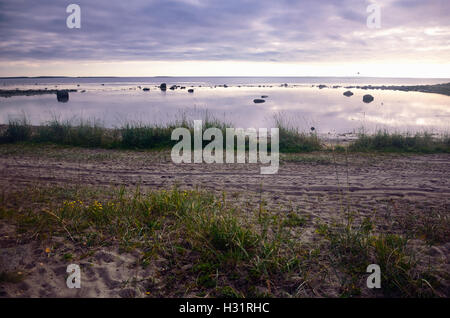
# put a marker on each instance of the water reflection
(328, 110)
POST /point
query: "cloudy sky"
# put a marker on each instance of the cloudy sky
(225, 38)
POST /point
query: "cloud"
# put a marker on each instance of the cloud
(214, 30)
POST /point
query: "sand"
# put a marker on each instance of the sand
(368, 183)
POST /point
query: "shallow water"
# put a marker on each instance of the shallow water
(120, 101)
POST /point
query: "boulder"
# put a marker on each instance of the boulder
(163, 86)
(190, 90)
(264, 96)
(146, 89)
(259, 101)
(62, 96)
(368, 98)
(173, 87)
(348, 93)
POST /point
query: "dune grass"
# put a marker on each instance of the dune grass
(211, 245)
(384, 141)
(146, 136)
(186, 227)
(293, 141)
(135, 135)
(354, 246)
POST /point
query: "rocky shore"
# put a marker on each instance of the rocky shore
(443, 89)
(32, 92)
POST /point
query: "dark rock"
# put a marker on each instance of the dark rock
(173, 87)
(348, 93)
(264, 96)
(163, 86)
(62, 96)
(190, 90)
(312, 128)
(321, 86)
(146, 89)
(259, 101)
(368, 98)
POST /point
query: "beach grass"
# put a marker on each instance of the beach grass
(145, 136)
(186, 227)
(216, 248)
(354, 246)
(384, 141)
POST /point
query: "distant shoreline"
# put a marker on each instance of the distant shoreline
(194, 76)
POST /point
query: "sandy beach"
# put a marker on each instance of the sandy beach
(319, 187)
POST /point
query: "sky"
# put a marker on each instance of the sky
(225, 38)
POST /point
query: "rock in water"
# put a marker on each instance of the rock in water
(163, 87)
(264, 96)
(190, 90)
(62, 96)
(145, 89)
(368, 98)
(348, 94)
(173, 87)
(259, 101)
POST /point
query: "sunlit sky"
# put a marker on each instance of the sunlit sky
(225, 38)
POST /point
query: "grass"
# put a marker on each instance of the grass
(135, 136)
(94, 135)
(213, 247)
(293, 141)
(11, 277)
(186, 227)
(396, 142)
(431, 225)
(354, 246)
(140, 136)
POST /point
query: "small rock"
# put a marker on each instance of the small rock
(62, 96)
(163, 86)
(190, 90)
(146, 89)
(348, 93)
(368, 98)
(259, 101)
(264, 96)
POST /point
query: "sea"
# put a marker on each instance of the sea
(296, 101)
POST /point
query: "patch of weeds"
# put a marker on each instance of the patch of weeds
(11, 277)
(67, 257)
(432, 226)
(354, 247)
(228, 292)
(294, 220)
(301, 158)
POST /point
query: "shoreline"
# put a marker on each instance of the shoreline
(442, 89)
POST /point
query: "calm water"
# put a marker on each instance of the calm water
(116, 101)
